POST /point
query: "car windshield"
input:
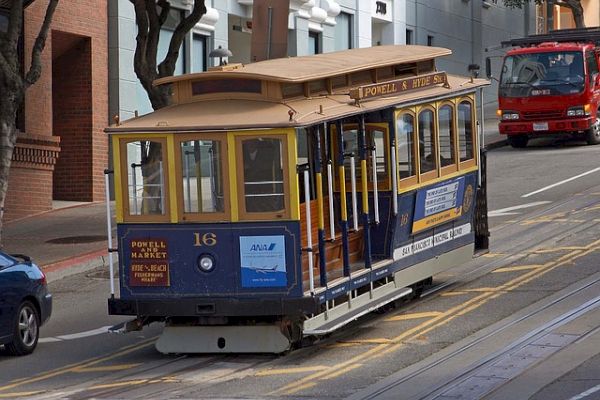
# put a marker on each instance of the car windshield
(551, 73)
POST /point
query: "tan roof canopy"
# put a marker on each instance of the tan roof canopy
(300, 69)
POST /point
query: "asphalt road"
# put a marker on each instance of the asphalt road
(554, 227)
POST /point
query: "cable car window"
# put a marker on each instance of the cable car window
(427, 155)
(263, 174)
(446, 135)
(146, 177)
(202, 176)
(465, 130)
(407, 163)
(376, 138)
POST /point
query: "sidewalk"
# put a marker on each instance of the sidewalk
(62, 241)
(73, 238)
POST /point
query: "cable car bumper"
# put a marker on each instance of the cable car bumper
(214, 307)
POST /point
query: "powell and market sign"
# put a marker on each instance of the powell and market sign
(399, 86)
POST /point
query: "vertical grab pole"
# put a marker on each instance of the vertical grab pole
(109, 228)
(330, 193)
(365, 191)
(188, 191)
(311, 275)
(375, 191)
(354, 200)
(134, 184)
(343, 205)
(162, 188)
(320, 211)
(394, 178)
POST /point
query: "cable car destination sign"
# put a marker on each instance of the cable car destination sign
(399, 86)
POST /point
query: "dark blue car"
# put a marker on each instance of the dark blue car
(25, 303)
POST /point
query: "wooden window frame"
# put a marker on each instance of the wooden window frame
(151, 218)
(435, 173)
(451, 168)
(472, 162)
(203, 216)
(382, 185)
(411, 180)
(239, 180)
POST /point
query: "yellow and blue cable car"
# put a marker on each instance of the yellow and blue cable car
(288, 197)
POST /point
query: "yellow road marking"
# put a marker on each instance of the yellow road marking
(492, 255)
(19, 394)
(482, 290)
(517, 268)
(455, 293)
(435, 322)
(107, 368)
(286, 371)
(344, 343)
(82, 364)
(134, 382)
(558, 249)
(406, 317)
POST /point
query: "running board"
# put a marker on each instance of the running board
(343, 314)
(222, 339)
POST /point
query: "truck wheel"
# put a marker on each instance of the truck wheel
(592, 135)
(518, 141)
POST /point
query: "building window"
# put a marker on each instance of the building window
(314, 43)
(198, 53)
(409, 36)
(343, 31)
(429, 40)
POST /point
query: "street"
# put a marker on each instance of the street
(544, 204)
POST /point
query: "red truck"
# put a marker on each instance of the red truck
(550, 86)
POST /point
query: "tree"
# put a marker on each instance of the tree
(13, 83)
(150, 16)
(574, 5)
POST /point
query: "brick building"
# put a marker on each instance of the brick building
(61, 150)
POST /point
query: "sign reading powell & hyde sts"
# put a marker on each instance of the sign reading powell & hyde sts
(398, 86)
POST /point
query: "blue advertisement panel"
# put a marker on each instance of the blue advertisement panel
(438, 204)
(262, 261)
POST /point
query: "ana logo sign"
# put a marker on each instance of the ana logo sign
(262, 247)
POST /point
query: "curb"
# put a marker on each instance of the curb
(77, 265)
(496, 145)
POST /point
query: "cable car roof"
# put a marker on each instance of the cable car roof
(305, 68)
(233, 114)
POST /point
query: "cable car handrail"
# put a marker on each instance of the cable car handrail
(375, 191)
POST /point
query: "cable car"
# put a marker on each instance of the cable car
(286, 198)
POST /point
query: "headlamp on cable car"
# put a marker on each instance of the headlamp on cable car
(510, 115)
(579, 111)
(206, 263)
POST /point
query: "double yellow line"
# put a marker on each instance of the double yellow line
(436, 321)
(71, 368)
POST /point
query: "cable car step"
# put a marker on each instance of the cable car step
(343, 314)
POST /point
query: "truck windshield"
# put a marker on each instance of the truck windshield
(536, 74)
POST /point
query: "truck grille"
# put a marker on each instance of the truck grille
(544, 114)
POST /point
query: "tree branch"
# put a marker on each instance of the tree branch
(167, 66)
(140, 64)
(40, 42)
(15, 25)
(153, 35)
